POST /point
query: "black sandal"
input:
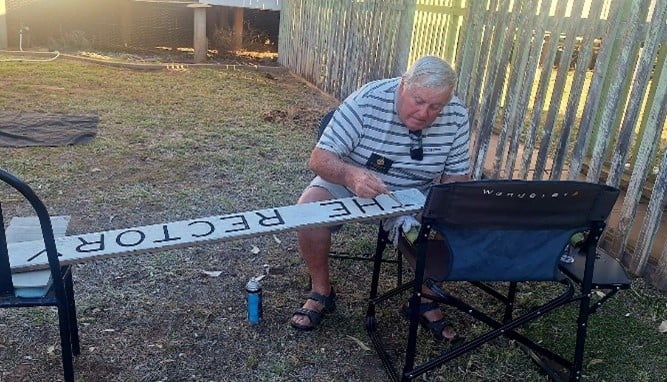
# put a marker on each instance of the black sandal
(435, 327)
(315, 317)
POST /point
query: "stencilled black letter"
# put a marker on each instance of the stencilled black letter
(341, 207)
(362, 206)
(277, 219)
(99, 245)
(243, 222)
(165, 230)
(142, 236)
(211, 228)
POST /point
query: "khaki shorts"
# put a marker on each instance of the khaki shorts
(336, 190)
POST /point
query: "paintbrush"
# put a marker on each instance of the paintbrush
(394, 198)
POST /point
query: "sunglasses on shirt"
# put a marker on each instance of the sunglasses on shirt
(416, 148)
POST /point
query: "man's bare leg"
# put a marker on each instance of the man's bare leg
(435, 314)
(314, 246)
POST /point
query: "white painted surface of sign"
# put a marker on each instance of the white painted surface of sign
(78, 248)
(27, 228)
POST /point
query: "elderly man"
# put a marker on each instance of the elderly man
(397, 133)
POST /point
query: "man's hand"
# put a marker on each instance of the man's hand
(361, 181)
(366, 185)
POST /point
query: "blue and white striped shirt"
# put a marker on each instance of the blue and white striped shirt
(367, 123)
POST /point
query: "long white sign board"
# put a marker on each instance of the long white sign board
(31, 255)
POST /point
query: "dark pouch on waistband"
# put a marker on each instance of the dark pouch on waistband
(379, 163)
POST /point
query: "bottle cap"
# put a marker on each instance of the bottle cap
(253, 285)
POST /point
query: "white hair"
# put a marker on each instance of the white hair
(430, 72)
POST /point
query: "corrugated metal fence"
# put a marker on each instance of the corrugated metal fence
(556, 89)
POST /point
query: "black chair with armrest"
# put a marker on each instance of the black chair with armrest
(60, 292)
(496, 234)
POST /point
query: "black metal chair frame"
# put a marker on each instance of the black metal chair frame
(449, 209)
(61, 292)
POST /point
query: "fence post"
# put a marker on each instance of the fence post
(405, 36)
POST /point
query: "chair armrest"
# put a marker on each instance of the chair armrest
(608, 272)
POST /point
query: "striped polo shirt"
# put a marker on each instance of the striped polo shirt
(366, 125)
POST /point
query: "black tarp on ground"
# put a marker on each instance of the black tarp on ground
(21, 129)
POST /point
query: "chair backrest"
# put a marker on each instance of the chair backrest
(6, 285)
(324, 122)
(509, 230)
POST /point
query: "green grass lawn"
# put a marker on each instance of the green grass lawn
(180, 144)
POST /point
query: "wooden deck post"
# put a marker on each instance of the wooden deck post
(237, 29)
(3, 25)
(200, 39)
(125, 23)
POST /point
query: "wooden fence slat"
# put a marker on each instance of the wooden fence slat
(482, 57)
(340, 53)
(558, 90)
(468, 59)
(644, 68)
(352, 50)
(649, 144)
(452, 35)
(514, 25)
(614, 91)
(584, 133)
(642, 73)
(659, 277)
(574, 99)
(404, 43)
(439, 47)
(327, 65)
(484, 126)
(325, 41)
(651, 224)
(518, 59)
(551, 48)
(626, 86)
(660, 59)
(316, 42)
(536, 27)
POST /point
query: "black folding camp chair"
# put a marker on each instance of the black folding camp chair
(59, 293)
(495, 234)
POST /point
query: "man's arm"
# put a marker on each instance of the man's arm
(333, 169)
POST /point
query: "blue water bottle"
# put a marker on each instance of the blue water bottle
(254, 299)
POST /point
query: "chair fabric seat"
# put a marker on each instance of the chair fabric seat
(499, 255)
